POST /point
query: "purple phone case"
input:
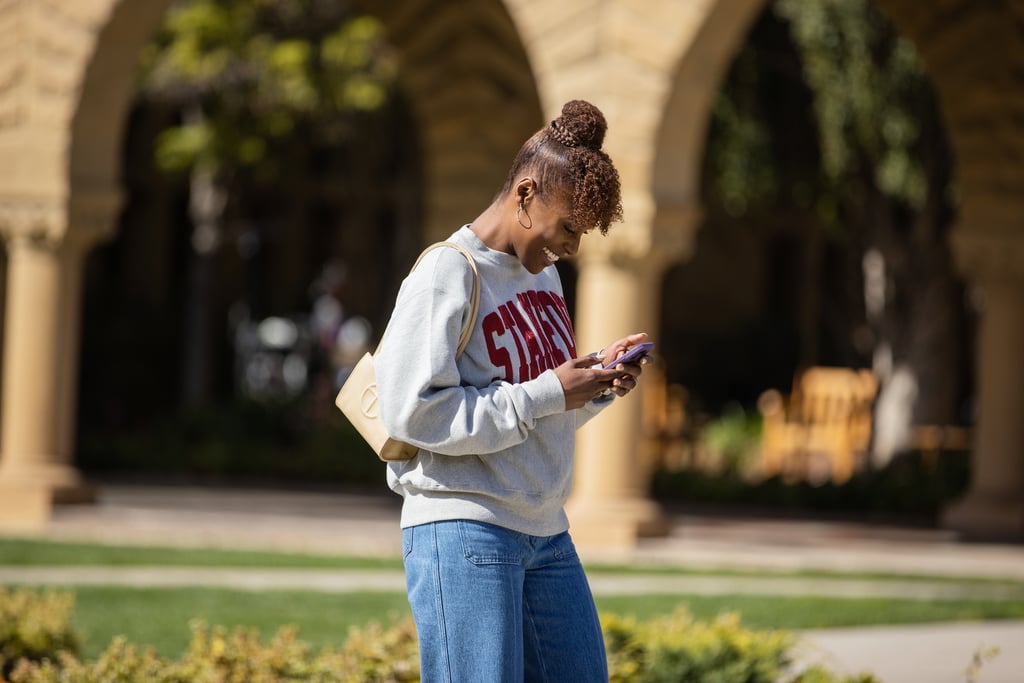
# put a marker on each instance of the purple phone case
(633, 355)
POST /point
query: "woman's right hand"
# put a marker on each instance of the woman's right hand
(582, 382)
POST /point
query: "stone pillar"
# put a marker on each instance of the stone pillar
(73, 268)
(994, 505)
(618, 293)
(609, 507)
(41, 348)
(34, 472)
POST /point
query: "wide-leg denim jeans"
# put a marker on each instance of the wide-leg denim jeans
(496, 606)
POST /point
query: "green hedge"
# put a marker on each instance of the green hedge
(238, 440)
(914, 486)
(677, 648)
(38, 647)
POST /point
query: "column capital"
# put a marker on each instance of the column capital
(82, 220)
(654, 244)
(989, 256)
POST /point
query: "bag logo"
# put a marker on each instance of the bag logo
(368, 401)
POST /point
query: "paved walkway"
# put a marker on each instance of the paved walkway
(329, 522)
(602, 583)
(367, 524)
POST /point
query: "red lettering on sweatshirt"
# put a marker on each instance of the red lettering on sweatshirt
(537, 324)
(493, 330)
(510, 325)
(558, 314)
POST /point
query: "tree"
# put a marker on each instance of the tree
(262, 87)
(876, 196)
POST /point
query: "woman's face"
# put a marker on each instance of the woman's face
(551, 235)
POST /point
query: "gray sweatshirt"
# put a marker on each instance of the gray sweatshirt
(496, 442)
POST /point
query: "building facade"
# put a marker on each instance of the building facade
(480, 76)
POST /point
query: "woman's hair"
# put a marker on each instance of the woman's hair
(565, 159)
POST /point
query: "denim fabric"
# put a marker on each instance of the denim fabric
(496, 606)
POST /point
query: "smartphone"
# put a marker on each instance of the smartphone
(633, 355)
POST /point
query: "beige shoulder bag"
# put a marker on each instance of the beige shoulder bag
(358, 396)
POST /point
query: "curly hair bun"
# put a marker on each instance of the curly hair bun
(581, 124)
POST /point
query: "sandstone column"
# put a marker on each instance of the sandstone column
(41, 348)
(609, 507)
(994, 505)
(34, 472)
(618, 293)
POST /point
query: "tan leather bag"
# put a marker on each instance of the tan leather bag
(358, 396)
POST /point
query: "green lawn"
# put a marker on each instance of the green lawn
(160, 616)
(30, 552)
(25, 551)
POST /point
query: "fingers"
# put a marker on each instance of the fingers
(586, 361)
(620, 346)
(585, 379)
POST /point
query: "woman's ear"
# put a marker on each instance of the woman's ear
(525, 189)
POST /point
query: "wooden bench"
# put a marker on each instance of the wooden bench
(827, 418)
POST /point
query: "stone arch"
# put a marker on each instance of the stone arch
(472, 91)
(64, 199)
(63, 107)
(682, 129)
(472, 72)
(106, 89)
(974, 53)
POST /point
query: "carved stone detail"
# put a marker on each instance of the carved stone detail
(655, 244)
(33, 218)
(14, 60)
(44, 47)
(84, 220)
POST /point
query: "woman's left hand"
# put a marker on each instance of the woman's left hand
(627, 381)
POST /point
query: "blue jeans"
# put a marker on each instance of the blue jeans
(496, 606)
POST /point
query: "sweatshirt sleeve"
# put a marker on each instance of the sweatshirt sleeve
(423, 400)
(591, 408)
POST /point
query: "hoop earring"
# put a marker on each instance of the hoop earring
(519, 216)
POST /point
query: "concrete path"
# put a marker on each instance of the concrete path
(367, 525)
(933, 653)
(602, 583)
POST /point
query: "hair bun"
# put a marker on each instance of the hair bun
(580, 125)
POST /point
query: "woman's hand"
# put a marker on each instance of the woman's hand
(618, 347)
(584, 379)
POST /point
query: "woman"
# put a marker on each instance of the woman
(495, 586)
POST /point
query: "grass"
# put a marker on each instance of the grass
(26, 552)
(37, 552)
(160, 616)
(809, 612)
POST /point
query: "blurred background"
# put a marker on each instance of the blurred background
(281, 162)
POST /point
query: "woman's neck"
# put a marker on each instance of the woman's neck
(490, 226)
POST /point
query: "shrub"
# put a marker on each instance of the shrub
(377, 655)
(370, 655)
(677, 648)
(34, 625)
(668, 649)
(732, 443)
(915, 486)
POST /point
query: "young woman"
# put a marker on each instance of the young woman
(496, 589)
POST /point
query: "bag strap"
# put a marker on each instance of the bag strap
(474, 299)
